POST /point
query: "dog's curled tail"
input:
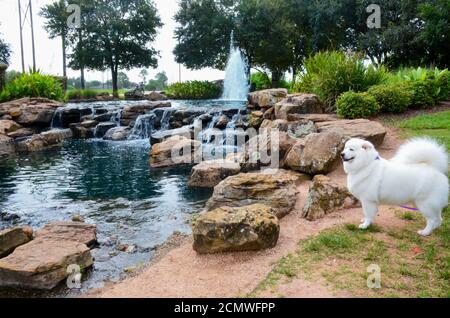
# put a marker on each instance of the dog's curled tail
(424, 150)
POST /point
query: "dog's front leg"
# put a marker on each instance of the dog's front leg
(370, 210)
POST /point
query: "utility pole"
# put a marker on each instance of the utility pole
(32, 36)
(21, 36)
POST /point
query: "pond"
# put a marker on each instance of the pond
(109, 184)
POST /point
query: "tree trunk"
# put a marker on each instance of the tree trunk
(64, 55)
(114, 81)
(83, 85)
(276, 76)
(80, 43)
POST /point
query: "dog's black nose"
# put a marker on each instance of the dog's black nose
(342, 155)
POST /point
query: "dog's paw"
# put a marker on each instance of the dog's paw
(424, 232)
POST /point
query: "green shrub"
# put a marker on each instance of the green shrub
(354, 105)
(329, 74)
(260, 81)
(392, 98)
(32, 85)
(193, 90)
(429, 86)
(423, 96)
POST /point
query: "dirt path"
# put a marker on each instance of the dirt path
(183, 273)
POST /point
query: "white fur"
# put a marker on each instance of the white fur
(415, 176)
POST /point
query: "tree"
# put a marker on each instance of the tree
(56, 25)
(436, 31)
(5, 52)
(273, 34)
(143, 75)
(118, 34)
(123, 80)
(159, 83)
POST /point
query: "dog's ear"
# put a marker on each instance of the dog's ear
(367, 146)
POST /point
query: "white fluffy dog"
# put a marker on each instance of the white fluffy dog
(415, 176)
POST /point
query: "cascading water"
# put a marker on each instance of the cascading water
(143, 128)
(235, 86)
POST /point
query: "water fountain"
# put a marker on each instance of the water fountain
(235, 86)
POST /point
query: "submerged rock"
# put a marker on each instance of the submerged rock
(325, 197)
(208, 174)
(226, 229)
(12, 238)
(317, 153)
(276, 189)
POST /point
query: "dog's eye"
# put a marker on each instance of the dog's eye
(352, 150)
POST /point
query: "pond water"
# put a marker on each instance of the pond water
(109, 184)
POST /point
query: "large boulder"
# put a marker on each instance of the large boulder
(226, 229)
(8, 126)
(358, 128)
(326, 196)
(42, 263)
(30, 111)
(12, 238)
(266, 149)
(298, 104)
(45, 140)
(187, 151)
(210, 173)
(277, 189)
(132, 112)
(317, 153)
(79, 232)
(267, 98)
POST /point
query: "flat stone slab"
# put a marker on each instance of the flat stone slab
(42, 263)
(79, 232)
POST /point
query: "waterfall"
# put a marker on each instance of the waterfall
(117, 117)
(235, 86)
(165, 120)
(143, 127)
(57, 119)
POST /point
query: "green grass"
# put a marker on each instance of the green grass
(434, 125)
(411, 265)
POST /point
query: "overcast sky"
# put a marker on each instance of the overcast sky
(49, 56)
